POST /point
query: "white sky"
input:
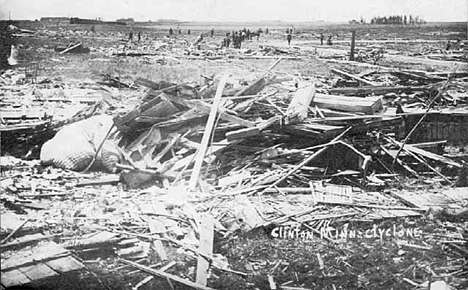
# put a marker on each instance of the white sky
(235, 10)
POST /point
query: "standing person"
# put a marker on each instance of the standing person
(180, 31)
(321, 38)
(289, 37)
(198, 40)
(170, 31)
(130, 36)
(139, 36)
(329, 41)
(266, 31)
(234, 39)
(212, 32)
(188, 32)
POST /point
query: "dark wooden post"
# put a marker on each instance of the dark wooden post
(353, 36)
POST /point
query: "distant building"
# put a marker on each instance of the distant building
(167, 21)
(126, 20)
(55, 20)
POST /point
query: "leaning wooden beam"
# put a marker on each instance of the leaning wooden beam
(253, 88)
(422, 161)
(14, 232)
(307, 160)
(428, 154)
(71, 48)
(207, 134)
(259, 83)
(167, 148)
(441, 91)
(404, 165)
(351, 76)
(166, 275)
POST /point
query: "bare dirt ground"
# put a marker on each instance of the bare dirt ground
(363, 262)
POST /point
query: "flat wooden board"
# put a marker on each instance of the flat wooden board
(44, 251)
(13, 278)
(206, 247)
(38, 271)
(64, 264)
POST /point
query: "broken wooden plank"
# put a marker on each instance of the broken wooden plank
(71, 48)
(255, 87)
(368, 106)
(207, 134)
(428, 154)
(299, 105)
(65, 264)
(271, 282)
(378, 90)
(223, 114)
(242, 133)
(37, 271)
(26, 240)
(156, 227)
(109, 179)
(13, 278)
(351, 76)
(206, 247)
(166, 149)
(166, 275)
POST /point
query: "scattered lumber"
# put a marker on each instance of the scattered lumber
(166, 275)
(351, 76)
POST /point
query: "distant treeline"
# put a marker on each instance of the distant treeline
(392, 20)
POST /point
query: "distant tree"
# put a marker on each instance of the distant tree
(396, 20)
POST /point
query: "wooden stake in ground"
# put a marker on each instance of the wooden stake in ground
(207, 134)
(353, 38)
(206, 247)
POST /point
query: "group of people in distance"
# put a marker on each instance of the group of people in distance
(237, 37)
(130, 36)
(289, 33)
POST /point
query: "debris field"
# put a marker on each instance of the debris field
(178, 163)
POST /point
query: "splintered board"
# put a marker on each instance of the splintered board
(45, 260)
(366, 106)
